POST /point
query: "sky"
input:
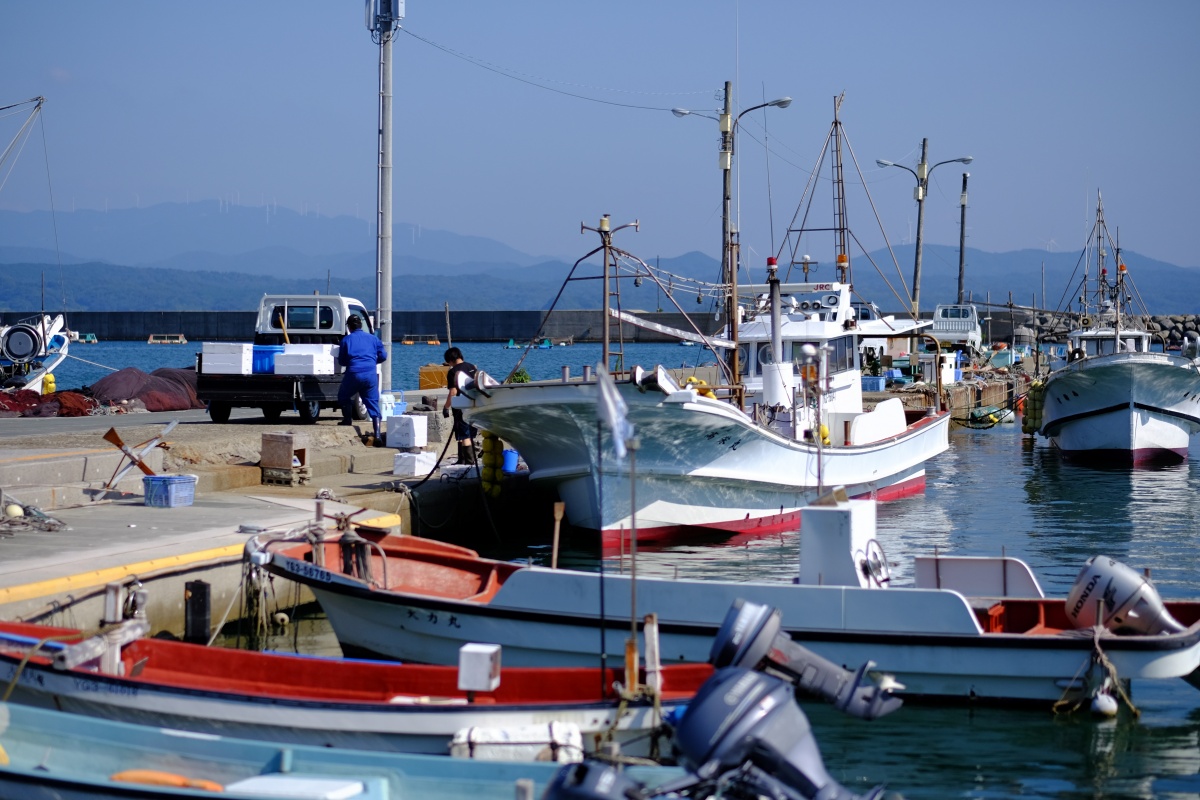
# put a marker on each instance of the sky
(520, 121)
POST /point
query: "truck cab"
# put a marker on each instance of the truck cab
(307, 318)
(956, 327)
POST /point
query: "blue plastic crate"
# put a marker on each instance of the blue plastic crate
(872, 383)
(169, 491)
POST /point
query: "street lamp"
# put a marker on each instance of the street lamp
(922, 175)
(729, 124)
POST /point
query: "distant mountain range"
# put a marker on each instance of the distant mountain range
(210, 256)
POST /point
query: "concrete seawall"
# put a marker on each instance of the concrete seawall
(467, 326)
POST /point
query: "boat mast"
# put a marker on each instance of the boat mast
(383, 18)
(841, 229)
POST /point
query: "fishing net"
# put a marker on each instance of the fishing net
(165, 389)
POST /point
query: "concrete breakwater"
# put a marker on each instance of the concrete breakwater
(499, 326)
(468, 326)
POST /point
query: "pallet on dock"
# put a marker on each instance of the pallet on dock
(295, 476)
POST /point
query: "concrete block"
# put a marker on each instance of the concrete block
(284, 450)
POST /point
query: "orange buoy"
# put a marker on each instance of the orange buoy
(154, 777)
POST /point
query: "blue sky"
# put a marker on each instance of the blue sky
(517, 121)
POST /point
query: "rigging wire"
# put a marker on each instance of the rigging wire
(539, 82)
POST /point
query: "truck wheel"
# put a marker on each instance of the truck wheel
(219, 412)
(272, 412)
(309, 411)
(360, 408)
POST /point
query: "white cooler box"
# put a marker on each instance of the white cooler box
(226, 358)
(413, 465)
(554, 741)
(408, 431)
(304, 364)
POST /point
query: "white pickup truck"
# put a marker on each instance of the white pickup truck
(956, 327)
(292, 362)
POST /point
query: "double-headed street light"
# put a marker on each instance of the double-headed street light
(729, 125)
(922, 174)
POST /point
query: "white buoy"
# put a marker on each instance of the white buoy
(1104, 705)
(14, 510)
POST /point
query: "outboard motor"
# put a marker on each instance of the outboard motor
(593, 780)
(1130, 600)
(751, 638)
(749, 721)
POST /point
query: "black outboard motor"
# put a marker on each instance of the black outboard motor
(751, 637)
(749, 721)
(742, 736)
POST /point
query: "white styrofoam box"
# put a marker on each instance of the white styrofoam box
(227, 358)
(303, 364)
(478, 667)
(312, 349)
(554, 741)
(226, 348)
(408, 430)
(411, 465)
(305, 787)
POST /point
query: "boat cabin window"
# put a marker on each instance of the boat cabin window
(841, 353)
(303, 317)
(765, 355)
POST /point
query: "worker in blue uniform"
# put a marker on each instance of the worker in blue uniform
(359, 354)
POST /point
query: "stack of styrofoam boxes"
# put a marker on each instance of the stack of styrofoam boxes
(307, 359)
(226, 358)
(409, 432)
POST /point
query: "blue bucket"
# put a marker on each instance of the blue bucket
(509, 465)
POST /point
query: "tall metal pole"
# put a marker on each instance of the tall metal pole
(919, 193)
(962, 237)
(388, 13)
(728, 268)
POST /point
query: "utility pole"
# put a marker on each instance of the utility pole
(962, 237)
(383, 17)
(919, 194)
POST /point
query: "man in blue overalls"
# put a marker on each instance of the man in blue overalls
(359, 353)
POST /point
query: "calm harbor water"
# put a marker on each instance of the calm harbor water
(994, 489)
(86, 364)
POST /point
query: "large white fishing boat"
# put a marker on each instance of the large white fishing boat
(1113, 400)
(786, 422)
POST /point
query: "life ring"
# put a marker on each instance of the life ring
(1076, 355)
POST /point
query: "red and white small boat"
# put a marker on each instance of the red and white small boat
(326, 701)
(970, 629)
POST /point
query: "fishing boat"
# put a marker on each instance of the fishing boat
(742, 457)
(88, 338)
(57, 754)
(1114, 401)
(167, 338)
(30, 351)
(331, 702)
(968, 629)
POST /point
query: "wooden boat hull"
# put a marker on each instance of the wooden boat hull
(941, 645)
(328, 702)
(1125, 408)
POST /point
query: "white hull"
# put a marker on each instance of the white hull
(409, 728)
(1135, 407)
(700, 462)
(929, 639)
